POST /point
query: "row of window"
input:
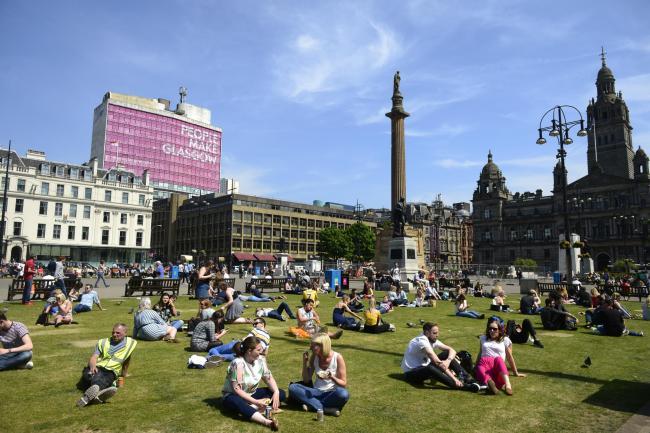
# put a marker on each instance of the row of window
(41, 232)
(74, 191)
(258, 218)
(72, 212)
(259, 245)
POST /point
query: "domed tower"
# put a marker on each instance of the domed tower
(641, 165)
(610, 138)
(557, 177)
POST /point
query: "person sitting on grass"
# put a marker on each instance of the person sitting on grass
(64, 311)
(613, 324)
(208, 333)
(166, 307)
(312, 294)
(355, 303)
(328, 393)
(499, 302)
(530, 303)
(241, 392)
(367, 292)
(431, 294)
(495, 347)
(521, 334)
(16, 351)
(309, 322)
(149, 326)
(109, 362)
(228, 300)
(275, 313)
(554, 316)
(462, 308)
(398, 296)
(420, 362)
(616, 301)
(419, 298)
(88, 298)
(338, 292)
(339, 319)
(226, 352)
(374, 323)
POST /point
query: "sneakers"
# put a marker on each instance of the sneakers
(212, 364)
(410, 324)
(332, 411)
(305, 408)
(90, 394)
(538, 343)
(337, 334)
(391, 328)
(472, 387)
(275, 424)
(105, 394)
(216, 359)
(27, 366)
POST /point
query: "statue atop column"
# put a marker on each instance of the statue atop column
(399, 218)
(396, 80)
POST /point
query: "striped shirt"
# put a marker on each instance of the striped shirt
(148, 325)
(262, 335)
(13, 337)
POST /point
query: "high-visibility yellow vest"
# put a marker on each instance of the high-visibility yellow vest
(114, 362)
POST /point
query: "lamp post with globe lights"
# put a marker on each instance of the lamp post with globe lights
(560, 127)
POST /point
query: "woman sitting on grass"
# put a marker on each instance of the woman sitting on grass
(240, 390)
(64, 313)
(355, 302)
(374, 323)
(339, 319)
(462, 308)
(309, 322)
(494, 349)
(167, 310)
(232, 305)
(149, 326)
(328, 393)
(208, 333)
(368, 292)
(499, 302)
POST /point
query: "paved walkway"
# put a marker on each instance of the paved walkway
(639, 422)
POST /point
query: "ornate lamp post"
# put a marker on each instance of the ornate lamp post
(560, 127)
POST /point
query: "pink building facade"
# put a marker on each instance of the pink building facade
(181, 150)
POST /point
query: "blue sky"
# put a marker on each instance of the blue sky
(300, 88)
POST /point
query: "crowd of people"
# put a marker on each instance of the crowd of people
(249, 387)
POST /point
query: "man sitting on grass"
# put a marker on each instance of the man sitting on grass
(109, 362)
(88, 298)
(16, 351)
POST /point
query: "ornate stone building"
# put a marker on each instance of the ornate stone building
(608, 207)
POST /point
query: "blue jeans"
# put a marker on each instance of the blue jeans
(9, 361)
(226, 351)
(238, 404)
(202, 291)
(178, 324)
(253, 298)
(100, 276)
(81, 308)
(469, 313)
(277, 313)
(318, 400)
(27, 291)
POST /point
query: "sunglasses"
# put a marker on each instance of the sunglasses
(493, 329)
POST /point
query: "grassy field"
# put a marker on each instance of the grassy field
(162, 395)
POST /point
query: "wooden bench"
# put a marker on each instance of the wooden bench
(191, 287)
(149, 286)
(634, 291)
(42, 288)
(553, 287)
(453, 282)
(267, 284)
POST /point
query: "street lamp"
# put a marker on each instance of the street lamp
(560, 128)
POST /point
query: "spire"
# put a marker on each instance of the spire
(603, 56)
(490, 155)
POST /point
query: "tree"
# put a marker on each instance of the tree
(525, 263)
(363, 242)
(335, 243)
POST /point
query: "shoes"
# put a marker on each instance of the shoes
(337, 334)
(215, 358)
(421, 321)
(305, 408)
(105, 394)
(212, 364)
(27, 366)
(332, 411)
(410, 324)
(391, 328)
(473, 387)
(482, 316)
(538, 343)
(90, 394)
(492, 387)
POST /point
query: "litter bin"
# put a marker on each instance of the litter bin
(174, 272)
(333, 278)
(557, 277)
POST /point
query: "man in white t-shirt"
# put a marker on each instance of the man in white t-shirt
(421, 362)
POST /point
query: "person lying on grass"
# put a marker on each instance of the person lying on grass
(109, 362)
(339, 318)
(420, 362)
(324, 379)
(241, 392)
(276, 313)
(309, 322)
(226, 352)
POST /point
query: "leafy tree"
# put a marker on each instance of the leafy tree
(525, 263)
(362, 239)
(624, 265)
(335, 243)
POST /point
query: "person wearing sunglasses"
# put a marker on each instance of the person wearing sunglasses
(495, 348)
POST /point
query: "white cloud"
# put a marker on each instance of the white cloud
(306, 43)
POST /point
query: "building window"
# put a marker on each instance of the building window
(138, 239)
(45, 188)
(236, 215)
(84, 233)
(88, 175)
(74, 190)
(59, 190)
(122, 237)
(19, 205)
(71, 233)
(141, 199)
(86, 212)
(74, 173)
(18, 227)
(547, 233)
(58, 209)
(56, 231)
(20, 186)
(59, 171)
(123, 218)
(125, 198)
(88, 193)
(107, 195)
(530, 235)
(73, 210)
(105, 235)
(140, 220)
(45, 168)
(42, 208)
(40, 231)
(107, 217)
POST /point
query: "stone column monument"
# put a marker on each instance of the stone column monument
(402, 250)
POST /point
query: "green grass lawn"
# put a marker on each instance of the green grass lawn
(162, 395)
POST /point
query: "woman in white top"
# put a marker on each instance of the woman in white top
(495, 348)
(328, 393)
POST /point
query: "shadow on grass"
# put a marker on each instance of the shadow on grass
(618, 395)
(305, 344)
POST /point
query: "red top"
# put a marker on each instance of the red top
(29, 272)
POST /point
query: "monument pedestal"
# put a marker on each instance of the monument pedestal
(403, 251)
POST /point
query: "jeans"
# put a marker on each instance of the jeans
(469, 313)
(100, 276)
(318, 400)
(253, 298)
(238, 404)
(103, 378)
(60, 284)
(277, 313)
(202, 291)
(27, 291)
(81, 308)
(430, 371)
(226, 351)
(12, 360)
(178, 324)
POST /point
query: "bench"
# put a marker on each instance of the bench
(267, 284)
(149, 286)
(453, 282)
(191, 287)
(634, 291)
(41, 288)
(553, 287)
